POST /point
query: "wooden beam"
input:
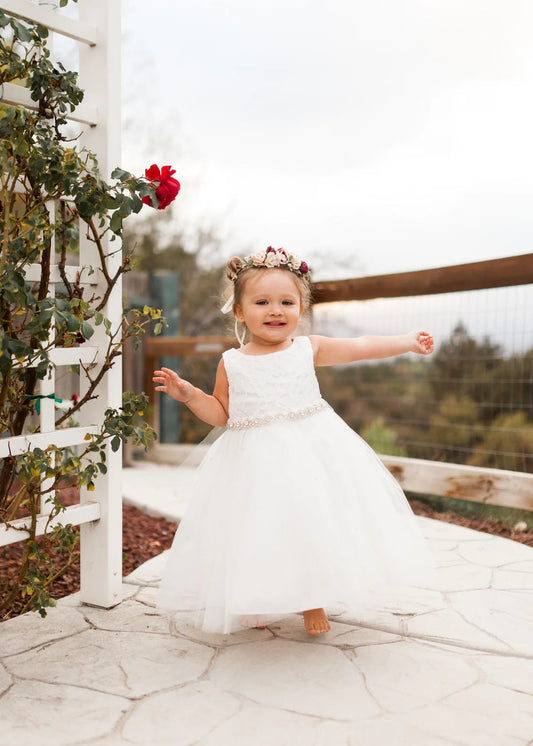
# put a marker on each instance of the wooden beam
(58, 22)
(86, 275)
(76, 515)
(197, 346)
(20, 96)
(70, 436)
(510, 489)
(158, 347)
(512, 270)
(64, 356)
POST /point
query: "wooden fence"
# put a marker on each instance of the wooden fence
(479, 484)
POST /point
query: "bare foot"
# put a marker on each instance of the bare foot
(316, 621)
(253, 621)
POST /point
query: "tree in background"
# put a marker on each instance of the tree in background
(485, 411)
(160, 245)
(506, 444)
(157, 245)
(462, 366)
(455, 428)
(382, 438)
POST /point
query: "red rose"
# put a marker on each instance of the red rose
(167, 189)
(304, 269)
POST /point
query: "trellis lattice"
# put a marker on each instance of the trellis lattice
(96, 30)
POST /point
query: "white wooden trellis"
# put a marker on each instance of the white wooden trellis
(97, 31)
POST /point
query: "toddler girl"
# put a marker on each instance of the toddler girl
(292, 511)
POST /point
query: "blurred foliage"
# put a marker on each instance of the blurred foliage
(157, 244)
(161, 245)
(382, 439)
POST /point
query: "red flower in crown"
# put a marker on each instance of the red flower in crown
(167, 188)
(304, 269)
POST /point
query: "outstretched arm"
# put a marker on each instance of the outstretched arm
(211, 409)
(330, 351)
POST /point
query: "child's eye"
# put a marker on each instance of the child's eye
(288, 303)
(261, 302)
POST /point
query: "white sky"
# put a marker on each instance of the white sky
(367, 137)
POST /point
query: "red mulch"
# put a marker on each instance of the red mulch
(489, 526)
(145, 536)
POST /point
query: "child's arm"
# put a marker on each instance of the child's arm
(329, 351)
(211, 409)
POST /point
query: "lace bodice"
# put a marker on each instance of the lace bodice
(272, 386)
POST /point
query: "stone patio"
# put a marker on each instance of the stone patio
(456, 669)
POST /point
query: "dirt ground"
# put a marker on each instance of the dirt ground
(145, 536)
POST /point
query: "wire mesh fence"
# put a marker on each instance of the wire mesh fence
(471, 402)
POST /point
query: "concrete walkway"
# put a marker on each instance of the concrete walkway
(456, 669)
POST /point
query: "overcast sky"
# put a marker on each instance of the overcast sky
(371, 136)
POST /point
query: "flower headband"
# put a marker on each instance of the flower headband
(271, 258)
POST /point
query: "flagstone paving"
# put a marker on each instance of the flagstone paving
(456, 667)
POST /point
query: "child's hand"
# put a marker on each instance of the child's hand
(421, 342)
(173, 385)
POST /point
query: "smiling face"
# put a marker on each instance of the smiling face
(270, 307)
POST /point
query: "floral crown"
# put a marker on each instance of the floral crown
(270, 258)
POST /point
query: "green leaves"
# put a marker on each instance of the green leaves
(54, 88)
(86, 330)
(115, 224)
(21, 32)
(120, 174)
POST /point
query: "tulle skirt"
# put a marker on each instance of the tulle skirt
(289, 516)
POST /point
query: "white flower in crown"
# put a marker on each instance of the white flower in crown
(272, 259)
(294, 262)
(283, 258)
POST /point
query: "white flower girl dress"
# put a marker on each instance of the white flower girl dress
(291, 509)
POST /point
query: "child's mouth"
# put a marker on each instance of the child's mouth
(274, 323)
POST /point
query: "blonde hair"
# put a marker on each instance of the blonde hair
(238, 275)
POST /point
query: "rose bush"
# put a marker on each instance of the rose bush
(49, 192)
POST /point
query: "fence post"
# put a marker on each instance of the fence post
(101, 541)
(164, 292)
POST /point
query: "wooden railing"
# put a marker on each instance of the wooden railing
(494, 273)
(158, 347)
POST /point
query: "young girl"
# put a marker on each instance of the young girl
(292, 511)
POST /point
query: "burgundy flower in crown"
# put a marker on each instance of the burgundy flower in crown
(166, 188)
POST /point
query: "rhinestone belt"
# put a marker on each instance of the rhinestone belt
(296, 414)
